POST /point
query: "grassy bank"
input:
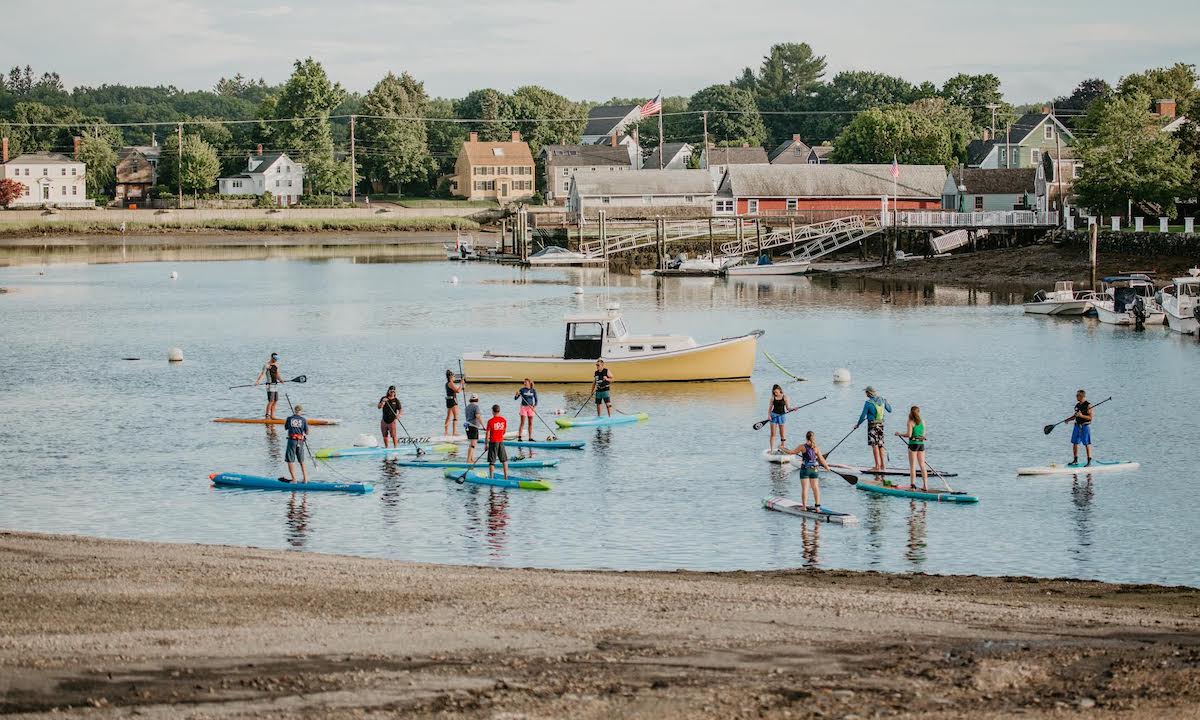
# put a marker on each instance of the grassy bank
(70, 227)
(418, 202)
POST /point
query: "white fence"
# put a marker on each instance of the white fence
(996, 218)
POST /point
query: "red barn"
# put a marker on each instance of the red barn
(816, 192)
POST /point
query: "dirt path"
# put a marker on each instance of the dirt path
(115, 629)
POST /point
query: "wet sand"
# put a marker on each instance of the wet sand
(98, 628)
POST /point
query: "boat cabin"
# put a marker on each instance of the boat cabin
(604, 335)
(1126, 289)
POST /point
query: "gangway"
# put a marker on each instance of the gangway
(812, 241)
(649, 236)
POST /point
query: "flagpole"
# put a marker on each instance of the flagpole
(661, 159)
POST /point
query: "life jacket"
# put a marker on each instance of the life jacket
(877, 410)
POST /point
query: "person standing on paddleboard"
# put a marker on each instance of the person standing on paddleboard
(453, 388)
(392, 409)
(777, 410)
(529, 400)
(811, 458)
(471, 420)
(873, 413)
(297, 430)
(497, 426)
(602, 387)
(270, 373)
(1081, 434)
(915, 436)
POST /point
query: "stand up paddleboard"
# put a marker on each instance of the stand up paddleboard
(773, 456)
(791, 507)
(1097, 466)
(886, 472)
(932, 495)
(265, 483)
(327, 453)
(275, 421)
(600, 421)
(546, 444)
(513, 481)
(463, 464)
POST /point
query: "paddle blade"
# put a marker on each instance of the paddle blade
(300, 379)
(852, 479)
(759, 425)
(1048, 429)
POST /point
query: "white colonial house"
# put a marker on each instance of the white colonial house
(275, 173)
(49, 179)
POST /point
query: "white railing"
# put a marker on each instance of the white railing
(993, 218)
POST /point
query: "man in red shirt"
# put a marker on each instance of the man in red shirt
(497, 426)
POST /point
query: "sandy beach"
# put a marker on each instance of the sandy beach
(100, 628)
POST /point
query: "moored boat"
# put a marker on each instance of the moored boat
(770, 267)
(463, 248)
(1181, 303)
(1125, 298)
(553, 255)
(632, 358)
(1063, 300)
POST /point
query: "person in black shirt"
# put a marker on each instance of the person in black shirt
(1081, 434)
(392, 409)
(602, 387)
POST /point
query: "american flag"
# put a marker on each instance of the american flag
(895, 167)
(652, 107)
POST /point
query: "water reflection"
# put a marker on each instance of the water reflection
(1081, 498)
(497, 521)
(810, 542)
(873, 523)
(915, 548)
(169, 248)
(297, 520)
(274, 451)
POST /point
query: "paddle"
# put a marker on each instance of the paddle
(848, 477)
(585, 402)
(297, 379)
(461, 479)
(759, 425)
(852, 479)
(782, 369)
(927, 467)
(1049, 428)
(839, 442)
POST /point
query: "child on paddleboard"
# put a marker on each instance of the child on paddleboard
(777, 408)
(450, 426)
(1081, 434)
(529, 400)
(471, 420)
(915, 435)
(873, 413)
(811, 458)
(496, 427)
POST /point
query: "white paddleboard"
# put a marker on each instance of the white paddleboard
(791, 507)
(1097, 466)
(772, 456)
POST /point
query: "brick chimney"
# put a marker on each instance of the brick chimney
(78, 140)
(3, 150)
(474, 137)
(796, 138)
(1165, 108)
(612, 139)
(516, 136)
(258, 150)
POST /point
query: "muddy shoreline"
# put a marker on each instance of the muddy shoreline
(101, 628)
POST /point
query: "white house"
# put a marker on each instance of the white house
(275, 173)
(641, 194)
(49, 179)
(608, 121)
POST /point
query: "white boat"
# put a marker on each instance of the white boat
(1181, 303)
(784, 267)
(704, 263)
(1063, 300)
(463, 248)
(555, 255)
(1125, 297)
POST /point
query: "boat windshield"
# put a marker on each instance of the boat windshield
(616, 329)
(1189, 289)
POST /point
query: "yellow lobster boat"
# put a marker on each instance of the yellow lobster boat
(631, 358)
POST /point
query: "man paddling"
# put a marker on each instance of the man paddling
(270, 372)
(1081, 434)
(602, 387)
(297, 430)
(392, 409)
(873, 413)
(471, 419)
(496, 427)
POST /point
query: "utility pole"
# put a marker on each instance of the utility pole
(993, 107)
(661, 159)
(1057, 165)
(353, 165)
(179, 164)
(704, 117)
(1008, 147)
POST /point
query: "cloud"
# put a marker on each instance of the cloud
(271, 11)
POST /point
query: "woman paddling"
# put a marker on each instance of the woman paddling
(270, 372)
(529, 400)
(390, 405)
(916, 448)
(450, 427)
(777, 410)
(811, 458)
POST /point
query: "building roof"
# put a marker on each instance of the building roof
(978, 150)
(822, 151)
(1175, 125)
(784, 147)
(851, 181)
(49, 158)
(497, 153)
(737, 156)
(266, 161)
(645, 182)
(1030, 122)
(670, 152)
(578, 155)
(606, 119)
(996, 181)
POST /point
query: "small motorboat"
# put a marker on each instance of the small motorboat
(767, 266)
(1063, 300)
(555, 255)
(1128, 300)
(631, 358)
(1181, 303)
(463, 248)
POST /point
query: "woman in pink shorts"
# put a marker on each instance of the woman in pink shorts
(529, 400)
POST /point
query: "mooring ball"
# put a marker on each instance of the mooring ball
(174, 275)
(453, 279)
(841, 375)
(175, 355)
(365, 440)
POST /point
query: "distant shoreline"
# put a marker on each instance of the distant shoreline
(27, 232)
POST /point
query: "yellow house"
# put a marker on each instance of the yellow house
(500, 171)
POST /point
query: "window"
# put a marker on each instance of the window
(725, 206)
(289, 182)
(566, 187)
(791, 204)
(797, 151)
(566, 172)
(45, 173)
(978, 203)
(64, 172)
(1075, 172)
(26, 188)
(688, 198)
(74, 189)
(276, 183)
(605, 200)
(498, 152)
(26, 172)
(73, 171)
(1035, 156)
(1048, 131)
(1003, 156)
(64, 190)
(752, 207)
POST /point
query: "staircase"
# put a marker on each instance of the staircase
(812, 241)
(647, 237)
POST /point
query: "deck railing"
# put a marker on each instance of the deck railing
(989, 219)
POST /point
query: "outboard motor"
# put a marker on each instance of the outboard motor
(1139, 313)
(1039, 296)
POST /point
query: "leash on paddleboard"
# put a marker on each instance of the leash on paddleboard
(1049, 428)
(927, 467)
(553, 436)
(782, 369)
(409, 436)
(301, 379)
(761, 423)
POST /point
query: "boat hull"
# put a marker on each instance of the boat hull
(1185, 325)
(780, 268)
(731, 359)
(1058, 307)
(1105, 314)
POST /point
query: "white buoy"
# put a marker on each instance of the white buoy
(453, 279)
(365, 440)
(841, 375)
(175, 355)
(174, 275)
(578, 290)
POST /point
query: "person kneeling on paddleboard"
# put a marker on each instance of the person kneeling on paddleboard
(811, 458)
(916, 448)
(1081, 434)
(471, 420)
(392, 409)
(496, 427)
(602, 387)
(873, 412)
(297, 430)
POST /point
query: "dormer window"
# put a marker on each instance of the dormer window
(498, 152)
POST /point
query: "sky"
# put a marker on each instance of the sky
(595, 51)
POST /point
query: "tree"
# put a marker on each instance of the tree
(975, 93)
(1081, 98)
(545, 118)
(489, 114)
(850, 92)
(1128, 158)
(786, 82)
(677, 127)
(733, 116)
(10, 190)
(917, 134)
(96, 150)
(1188, 137)
(394, 138)
(200, 166)
(302, 128)
(1177, 83)
(443, 138)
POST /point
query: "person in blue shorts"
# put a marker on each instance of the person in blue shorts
(1081, 434)
(602, 387)
(777, 410)
(297, 430)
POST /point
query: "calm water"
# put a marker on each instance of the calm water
(98, 445)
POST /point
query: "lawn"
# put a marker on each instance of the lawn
(419, 202)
